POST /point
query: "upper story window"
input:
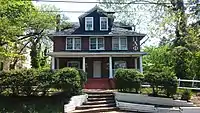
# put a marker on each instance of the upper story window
(119, 43)
(73, 43)
(89, 23)
(103, 23)
(96, 43)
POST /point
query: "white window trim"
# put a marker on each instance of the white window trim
(106, 25)
(73, 43)
(86, 24)
(119, 39)
(96, 43)
(74, 62)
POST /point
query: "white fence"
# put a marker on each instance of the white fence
(192, 86)
(189, 81)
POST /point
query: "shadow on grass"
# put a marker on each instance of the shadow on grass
(33, 104)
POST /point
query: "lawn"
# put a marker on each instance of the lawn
(33, 104)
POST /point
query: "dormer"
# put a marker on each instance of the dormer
(96, 20)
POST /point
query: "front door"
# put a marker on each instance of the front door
(97, 69)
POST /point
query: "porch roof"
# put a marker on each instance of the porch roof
(96, 54)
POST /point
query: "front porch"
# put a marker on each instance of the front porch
(100, 68)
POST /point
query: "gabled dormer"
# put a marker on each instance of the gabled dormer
(96, 20)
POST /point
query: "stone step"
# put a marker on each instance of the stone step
(101, 99)
(96, 110)
(99, 92)
(100, 95)
(99, 102)
(95, 106)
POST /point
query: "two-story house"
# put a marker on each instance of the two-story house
(99, 46)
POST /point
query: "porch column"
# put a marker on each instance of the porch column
(84, 64)
(53, 63)
(136, 67)
(57, 63)
(110, 67)
(141, 68)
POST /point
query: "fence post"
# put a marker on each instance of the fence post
(192, 83)
(179, 81)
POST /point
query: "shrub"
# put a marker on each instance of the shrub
(45, 81)
(83, 76)
(169, 82)
(68, 79)
(154, 79)
(186, 95)
(162, 78)
(128, 79)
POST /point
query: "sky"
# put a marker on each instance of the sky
(73, 17)
(63, 6)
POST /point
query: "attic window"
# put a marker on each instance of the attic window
(103, 23)
(88, 23)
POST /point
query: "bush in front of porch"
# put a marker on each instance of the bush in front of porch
(128, 79)
(38, 82)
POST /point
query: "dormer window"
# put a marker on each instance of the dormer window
(103, 23)
(89, 23)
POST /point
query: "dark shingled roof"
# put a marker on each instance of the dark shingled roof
(118, 29)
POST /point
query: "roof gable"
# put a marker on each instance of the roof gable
(96, 8)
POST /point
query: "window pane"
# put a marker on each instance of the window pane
(75, 64)
(77, 44)
(120, 64)
(69, 43)
(92, 46)
(93, 40)
(104, 23)
(123, 43)
(89, 23)
(100, 43)
(115, 43)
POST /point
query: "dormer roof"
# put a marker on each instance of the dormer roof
(98, 10)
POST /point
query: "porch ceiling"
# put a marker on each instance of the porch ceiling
(96, 54)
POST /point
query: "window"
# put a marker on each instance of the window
(103, 23)
(119, 64)
(97, 43)
(75, 64)
(73, 43)
(119, 43)
(88, 23)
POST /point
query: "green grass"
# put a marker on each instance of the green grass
(47, 104)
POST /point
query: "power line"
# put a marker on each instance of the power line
(89, 12)
(85, 2)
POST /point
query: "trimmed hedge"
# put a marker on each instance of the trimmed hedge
(128, 79)
(26, 82)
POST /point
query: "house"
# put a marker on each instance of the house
(99, 46)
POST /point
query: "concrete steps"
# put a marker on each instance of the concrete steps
(99, 101)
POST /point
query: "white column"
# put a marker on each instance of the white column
(52, 63)
(57, 63)
(141, 68)
(136, 67)
(84, 64)
(110, 67)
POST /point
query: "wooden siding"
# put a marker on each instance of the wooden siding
(59, 44)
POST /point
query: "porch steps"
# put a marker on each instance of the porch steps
(99, 101)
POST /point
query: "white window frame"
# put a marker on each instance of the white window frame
(106, 25)
(86, 23)
(73, 43)
(96, 38)
(78, 62)
(119, 39)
